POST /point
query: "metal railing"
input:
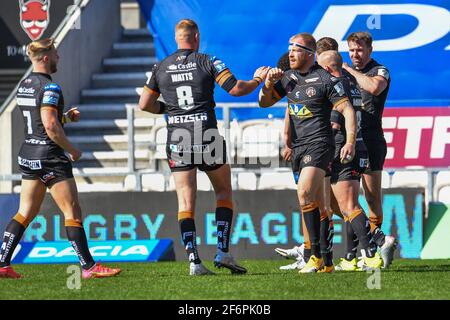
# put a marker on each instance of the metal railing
(431, 190)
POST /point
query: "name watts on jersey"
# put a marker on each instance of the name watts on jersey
(182, 77)
(32, 164)
(188, 118)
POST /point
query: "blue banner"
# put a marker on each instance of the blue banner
(105, 251)
(411, 39)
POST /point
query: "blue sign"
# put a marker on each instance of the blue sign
(105, 251)
(411, 39)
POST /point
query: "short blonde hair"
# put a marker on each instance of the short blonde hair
(186, 28)
(37, 49)
(332, 58)
(308, 38)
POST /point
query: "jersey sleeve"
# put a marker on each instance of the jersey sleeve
(152, 84)
(51, 96)
(380, 71)
(279, 90)
(221, 73)
(335, 91)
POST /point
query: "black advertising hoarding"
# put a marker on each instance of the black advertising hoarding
(23, 21)
(263, 221)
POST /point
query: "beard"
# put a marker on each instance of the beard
(53, 67)
(299, 64)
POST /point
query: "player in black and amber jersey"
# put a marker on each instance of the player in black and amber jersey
(185, 81)
(44, 164)
(345, 174)
(373, 80)
(312, 94)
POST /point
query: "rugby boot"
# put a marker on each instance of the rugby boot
(314, 264)
(99, 271)
(226, 260)
(8, 272)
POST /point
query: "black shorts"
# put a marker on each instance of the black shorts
(351, 170)
(205, 157)
(377, 150)
(49, 171)
(316, 154)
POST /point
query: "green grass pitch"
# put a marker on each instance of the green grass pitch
(406, 279)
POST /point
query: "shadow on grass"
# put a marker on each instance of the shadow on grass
(431, 268)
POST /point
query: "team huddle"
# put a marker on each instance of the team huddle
(333, 138)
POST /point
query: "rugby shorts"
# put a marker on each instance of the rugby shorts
(49, 171)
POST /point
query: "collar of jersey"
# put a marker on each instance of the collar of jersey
(43, 74)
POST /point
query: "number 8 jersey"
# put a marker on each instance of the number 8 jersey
(35, 92)
(186, 81)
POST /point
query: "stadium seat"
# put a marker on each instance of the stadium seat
(444, 195)
(153, 182)
(100, 187)
(277, 180)
(247, 181)
(171, 185)
(203, 183)
(159, 138)
(129, 184)
(234, 133)
(442, 180)
(385, 180)
(259, 139)
(411, 179)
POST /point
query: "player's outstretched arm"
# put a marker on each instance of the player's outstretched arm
(268, 95)
(242, 87)
(346, 109)
(56, 133)
(373, 85)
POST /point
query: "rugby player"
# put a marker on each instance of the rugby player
(312, 94)
(373, 80)
(303, 252)
(300, 253)
(185, 81)
(44, 164)
(345, 176)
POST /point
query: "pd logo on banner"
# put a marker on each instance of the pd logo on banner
(107, 251)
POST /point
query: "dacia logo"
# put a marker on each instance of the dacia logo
(299, 110)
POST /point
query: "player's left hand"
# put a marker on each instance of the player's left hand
(287, 154)
(73, 114)
(347, 153)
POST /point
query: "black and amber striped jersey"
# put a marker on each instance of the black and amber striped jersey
(186, 81)
(311, 97)
(35, 92)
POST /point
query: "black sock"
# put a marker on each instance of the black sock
(224, 217)
(378, 237)
(306, 254)
(188, 235)
(77, 238)
(312, 221)
(360, 224)
(13, 233)
(326, 242)
(352, 242)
